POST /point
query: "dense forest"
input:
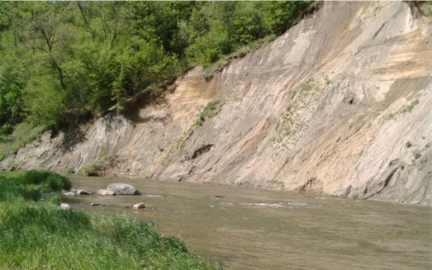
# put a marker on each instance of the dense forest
(63, 62)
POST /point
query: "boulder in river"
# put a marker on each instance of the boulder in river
(106, 192)
(138, 206)
(123, 189)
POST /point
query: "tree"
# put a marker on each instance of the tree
(63, 61)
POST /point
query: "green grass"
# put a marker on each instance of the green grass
(22, 134)
(39, 235)
(29, 185)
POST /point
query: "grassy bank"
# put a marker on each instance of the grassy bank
(36, 234)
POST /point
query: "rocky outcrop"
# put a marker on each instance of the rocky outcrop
(339, 104)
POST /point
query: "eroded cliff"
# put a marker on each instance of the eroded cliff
(340, 104)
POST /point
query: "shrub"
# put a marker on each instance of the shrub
(209, 111)
(41, 236)
(28, 185)
(48, 181)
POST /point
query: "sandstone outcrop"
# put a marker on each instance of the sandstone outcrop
(340, 104)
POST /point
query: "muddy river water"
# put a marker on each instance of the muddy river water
(244, 228)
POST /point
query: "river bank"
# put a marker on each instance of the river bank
(35, 233)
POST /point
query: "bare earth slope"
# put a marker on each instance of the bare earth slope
(340, 104)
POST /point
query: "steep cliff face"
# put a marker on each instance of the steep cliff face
(340, 104)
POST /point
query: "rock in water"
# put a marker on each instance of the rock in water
(83, 192)
(69, 193)
(139, 206)
(65, 206)
(123, 189)
(106, 192)
(79, 191)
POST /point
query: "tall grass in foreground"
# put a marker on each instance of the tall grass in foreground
(38, 235)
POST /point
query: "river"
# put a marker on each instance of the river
(245, 228)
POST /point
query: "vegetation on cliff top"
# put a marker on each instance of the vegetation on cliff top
(65, 62)
(38, 235)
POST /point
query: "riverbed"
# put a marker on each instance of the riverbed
(246, 228)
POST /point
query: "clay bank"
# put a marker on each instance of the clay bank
(339, 104)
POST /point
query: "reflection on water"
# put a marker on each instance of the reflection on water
(257, 229)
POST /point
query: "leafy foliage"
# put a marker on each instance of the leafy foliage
(65, 61)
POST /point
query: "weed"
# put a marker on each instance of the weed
(104, 151)
(408, 108)
(404, 110)
(160, 148)
(423, 7)
(14, 167)
(307, 86)
(294, 119)
(209, 111)
(70, 171)
(21, 135)
(91, 169)
(105, 159)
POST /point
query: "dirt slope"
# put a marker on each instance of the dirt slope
(340, 104)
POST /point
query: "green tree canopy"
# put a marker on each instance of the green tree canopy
(62, 61)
